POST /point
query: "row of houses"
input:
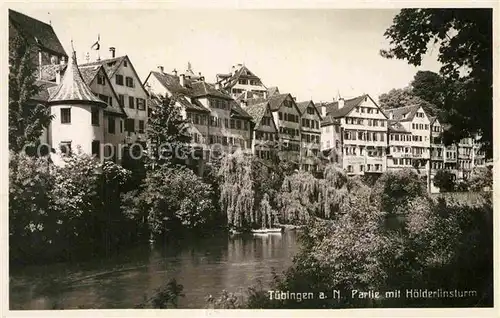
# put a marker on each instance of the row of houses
(104, 102)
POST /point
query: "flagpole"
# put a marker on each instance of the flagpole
(98, 47)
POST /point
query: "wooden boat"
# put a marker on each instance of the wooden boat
(267, 231)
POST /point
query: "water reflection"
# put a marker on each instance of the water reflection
(203, 267)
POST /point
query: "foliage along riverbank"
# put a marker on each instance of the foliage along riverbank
(391, 237)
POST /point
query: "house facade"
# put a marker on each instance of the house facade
(132, 95)
(217, 121)
(363, 132)
(310, 135)
(265, 139)
(78, 119)
(239, 80)
(331, 146)
(286, 115)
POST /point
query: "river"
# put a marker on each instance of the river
(203, 267)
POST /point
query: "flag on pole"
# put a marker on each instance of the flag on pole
(96, 45)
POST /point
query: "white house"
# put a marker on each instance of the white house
(78, 114)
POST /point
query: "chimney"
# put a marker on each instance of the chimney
(233, 69)
(265, 94)
(341, 102)
(58, 75)
(217, 86)
(174, 72)
(160, 68)
(182, 80)
(112, 51)
(323, 110)
(391, 115)
(294, 98)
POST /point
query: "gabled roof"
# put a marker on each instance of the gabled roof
(37, 32)
(333, 110)
(273, 90)
(275, 101)
(73, 88)
(201, 89)
(329, 120)
(170, 82)
(257, 112)
(406, 113)
(237, 111)
(43, 92)
(110, 65)
(303, 107)
(232, 80)
(395, 126)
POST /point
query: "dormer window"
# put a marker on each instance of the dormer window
(125, 64)
(100, 79)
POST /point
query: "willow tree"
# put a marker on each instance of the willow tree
(236, 190)
(333, 190)
(298, 199)
(265, 213)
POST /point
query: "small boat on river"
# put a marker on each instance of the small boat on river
(267, 231)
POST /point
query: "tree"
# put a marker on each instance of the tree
(430, 87)
(444, 180)
(172, 199)
(396, 98)
(237, 194)
(168, 133)
(480, 178)
(466, 52)
(401, 97)
(26, 118)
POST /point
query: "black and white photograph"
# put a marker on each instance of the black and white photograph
(164, 157)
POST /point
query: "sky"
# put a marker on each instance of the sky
(311, 53)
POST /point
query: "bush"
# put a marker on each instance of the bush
(173, 198)
(444, 181)
(65, 212)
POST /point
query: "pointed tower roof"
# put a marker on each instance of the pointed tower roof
(73, 89)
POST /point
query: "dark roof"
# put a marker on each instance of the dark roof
(37, 32)
(89, 72)
(273, 90)
(110, 65)
(170, 82)
(48, 72)
(329, 120)
(155, 100)
(333, 110)
(395, 126)
(231, 80)
(303, 106)
(201, 89)
(43, 93)
(257, 112)
(73, 88)
(398, 113)
(237, 111)
(275, 101)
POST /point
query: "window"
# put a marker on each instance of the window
(65, 115)
(103, 97)
(111, 125)
(129, 81)
(96, 145)
(129, 125)
(131, 102)
(119, 79)
(121, 126)
(242, 81)
(95, 116)
(65, 147)
(232, 123)
(121, 99)
(141, 104)
(141, 126)
(125, 64)
(238, 124)
(100, 79)
(245, 125)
